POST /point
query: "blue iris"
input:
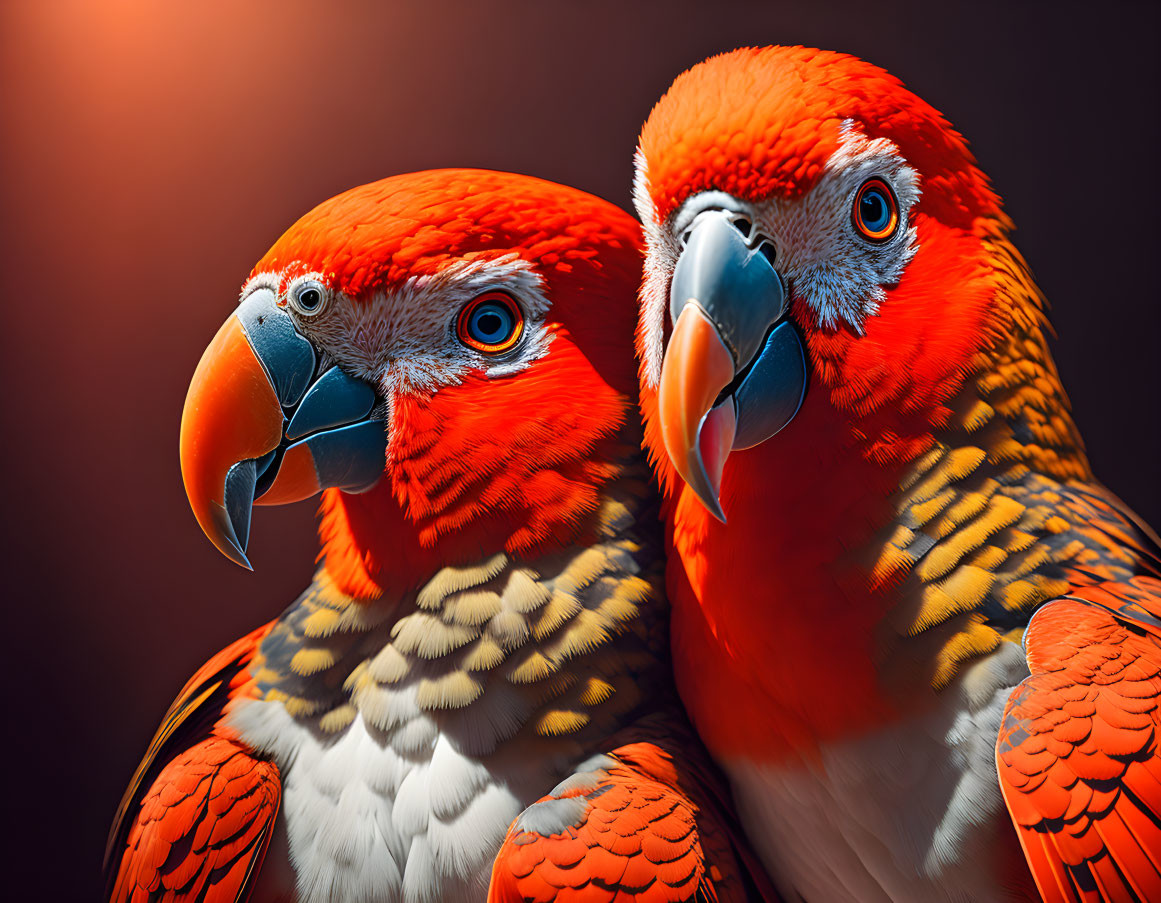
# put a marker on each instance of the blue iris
(875, 209)
(491, 323)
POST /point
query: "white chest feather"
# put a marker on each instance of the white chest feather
(365, 820)
(909, 814)
(411, 730)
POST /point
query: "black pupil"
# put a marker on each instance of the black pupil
(492, 324)
(310, 298)
(873, 209)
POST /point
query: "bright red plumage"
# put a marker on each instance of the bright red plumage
(884, 553)
(487, 617)
(471, 445)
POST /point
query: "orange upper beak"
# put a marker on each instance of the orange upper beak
(697, 435)
(260, 423)
(734, 372)
(231, 415)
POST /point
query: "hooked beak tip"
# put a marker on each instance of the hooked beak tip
(233, 550)
(222, 533)
(232, 417)
(697, 435)
(707, 459)
(712, 502)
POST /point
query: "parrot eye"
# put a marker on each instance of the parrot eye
(875, 213)
(491, 323)
(308, 298)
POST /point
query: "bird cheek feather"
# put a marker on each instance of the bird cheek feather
(914, 352)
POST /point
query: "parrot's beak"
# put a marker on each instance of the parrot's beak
(264, 423)
(735, 370)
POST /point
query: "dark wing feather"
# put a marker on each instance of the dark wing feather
(197, 814)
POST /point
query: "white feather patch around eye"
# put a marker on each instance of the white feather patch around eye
(405, 339)
(840, 274)
(272, 281)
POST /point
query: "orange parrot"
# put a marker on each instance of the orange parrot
(449, 356)
(906, 616)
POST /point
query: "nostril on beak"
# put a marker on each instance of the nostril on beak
(743, 225)
(766, 249)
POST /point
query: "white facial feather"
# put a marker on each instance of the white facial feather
(405, 340)
(840, 274)
(661, 252)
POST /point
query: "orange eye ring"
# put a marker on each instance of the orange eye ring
(875, 212)
(491, 323)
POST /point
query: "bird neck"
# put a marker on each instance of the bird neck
(556, 647)
(881, 551)
(463, 484)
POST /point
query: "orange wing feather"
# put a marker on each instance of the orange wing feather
(203, 827)
(1078, 747)
(629, 827)
(197, 816)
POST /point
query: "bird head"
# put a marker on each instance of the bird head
(820, 244)
(447, 354)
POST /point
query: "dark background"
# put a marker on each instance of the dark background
(152, 151)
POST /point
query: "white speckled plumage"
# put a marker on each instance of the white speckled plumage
(409, 731)
(369, 820)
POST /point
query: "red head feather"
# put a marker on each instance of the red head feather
(483, 463)
(761, 125)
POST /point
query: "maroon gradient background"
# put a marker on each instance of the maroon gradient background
(152, 151)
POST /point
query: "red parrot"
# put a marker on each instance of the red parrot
(449, 356)
(906, 616)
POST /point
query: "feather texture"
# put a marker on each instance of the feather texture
(485, 617)
(885, 553)
(641, 822)
(199, 812)
(1077, 751)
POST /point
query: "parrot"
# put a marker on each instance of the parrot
(920, 638)
(472, 699)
